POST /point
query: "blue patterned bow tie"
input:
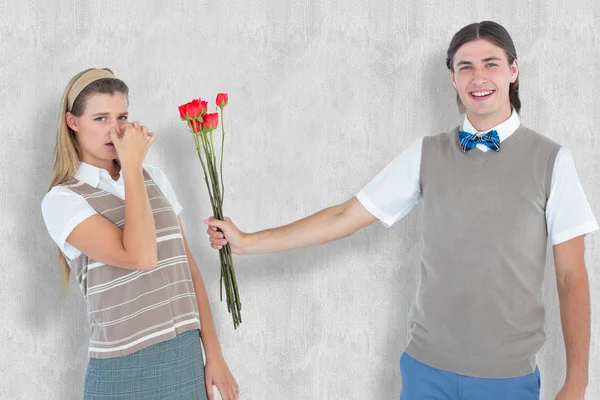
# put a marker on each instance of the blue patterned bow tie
(470, 140)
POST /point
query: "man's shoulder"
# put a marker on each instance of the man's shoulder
(538, 137)
(442, 137)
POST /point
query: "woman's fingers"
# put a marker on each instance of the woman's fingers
(151, 138)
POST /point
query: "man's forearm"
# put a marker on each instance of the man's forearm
(574, 295)
(319, 228)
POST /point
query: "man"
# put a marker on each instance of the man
(493, 193)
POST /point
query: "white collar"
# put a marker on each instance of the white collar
(504, 129)
(91, 175)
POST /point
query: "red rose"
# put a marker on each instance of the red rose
(193, 109)
(195, 125)
(211, 121)
(204, 105)
(222, 100)
(182, 111)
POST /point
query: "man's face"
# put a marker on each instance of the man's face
(482, 77)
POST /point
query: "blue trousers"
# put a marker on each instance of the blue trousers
(422, 382)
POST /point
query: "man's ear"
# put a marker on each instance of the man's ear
(514, 71)
(71, 121)
(453, 80)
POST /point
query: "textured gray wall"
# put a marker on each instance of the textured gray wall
(322, 96)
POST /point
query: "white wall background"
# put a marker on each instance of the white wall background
(322, 96)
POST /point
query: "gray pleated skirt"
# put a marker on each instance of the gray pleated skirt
(173, 369)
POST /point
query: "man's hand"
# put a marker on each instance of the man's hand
(224, 232)
(570, 393)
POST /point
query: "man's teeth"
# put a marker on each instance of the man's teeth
(481, 94)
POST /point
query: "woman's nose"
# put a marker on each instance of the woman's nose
(119, 125)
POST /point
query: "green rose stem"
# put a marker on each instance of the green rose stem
(210, 195)
(222, 147)
(204, 139)
(227, 271)
(226, 255)
(201, 160)
(239, 304)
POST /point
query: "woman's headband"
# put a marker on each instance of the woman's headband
(83, 81)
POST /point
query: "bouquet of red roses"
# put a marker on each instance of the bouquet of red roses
(201, 126)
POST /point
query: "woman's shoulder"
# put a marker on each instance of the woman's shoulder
(162, 181)
(155, 172)
(62, 209)
(158, 176)
(61, 193)
(60, 197)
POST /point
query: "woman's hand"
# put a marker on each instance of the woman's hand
(217, 373)
(133, 144)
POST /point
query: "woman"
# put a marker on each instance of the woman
(115, 222)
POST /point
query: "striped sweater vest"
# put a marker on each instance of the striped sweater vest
(129, 310)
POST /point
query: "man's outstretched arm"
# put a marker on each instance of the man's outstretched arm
(329, 224)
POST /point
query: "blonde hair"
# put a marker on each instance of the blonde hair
(66, 150)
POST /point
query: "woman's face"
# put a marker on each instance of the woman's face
(102, 112)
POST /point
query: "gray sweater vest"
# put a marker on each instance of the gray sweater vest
(478, 309)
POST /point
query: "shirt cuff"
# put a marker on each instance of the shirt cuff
(573, 233)
(386, 219)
